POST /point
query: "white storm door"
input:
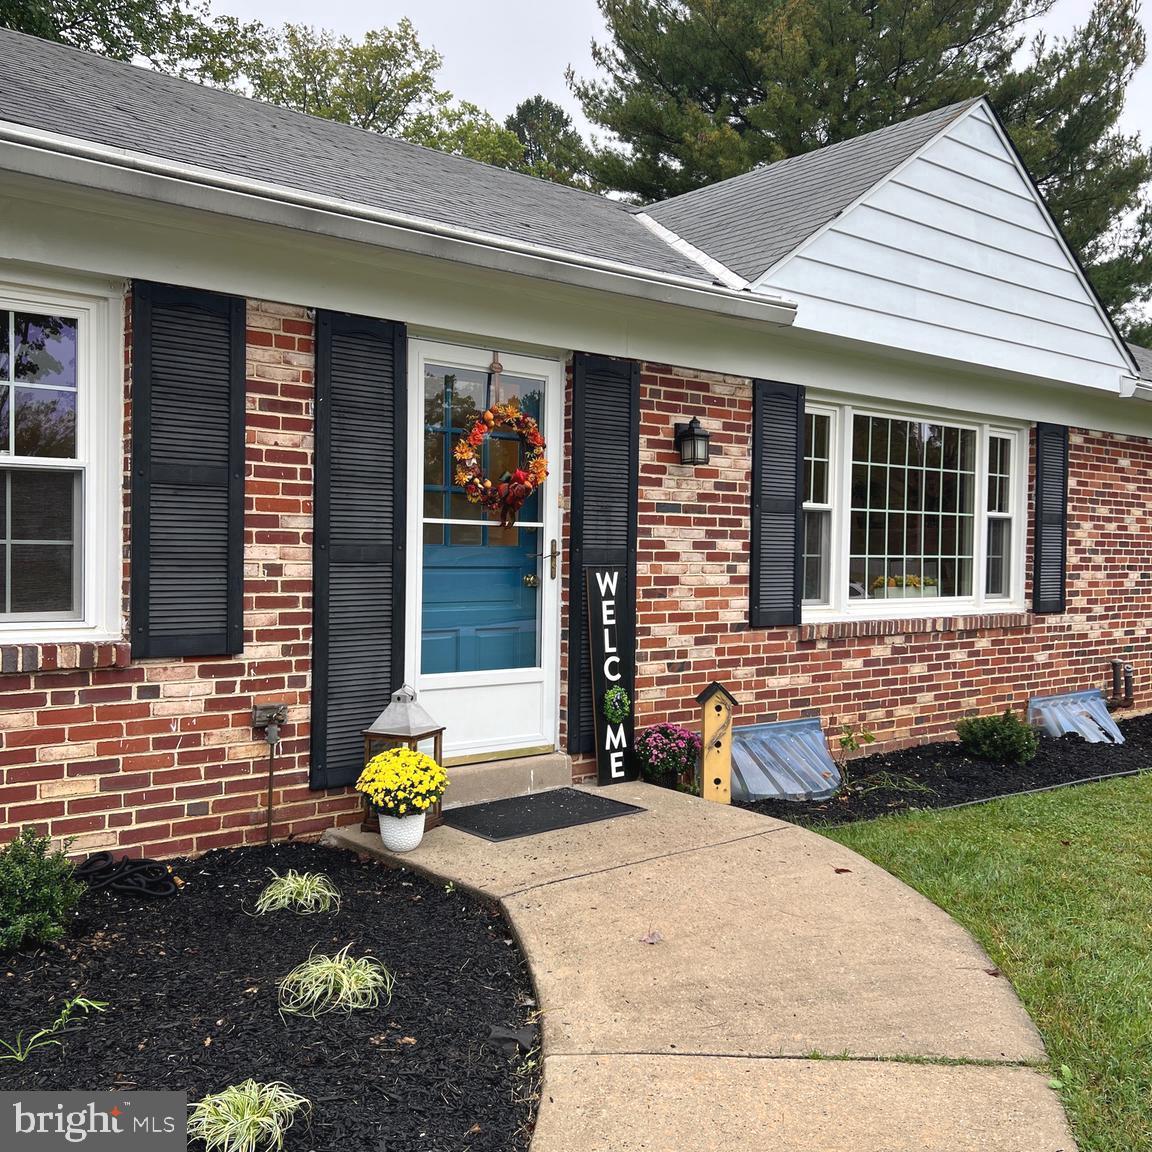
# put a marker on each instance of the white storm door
(483, 601)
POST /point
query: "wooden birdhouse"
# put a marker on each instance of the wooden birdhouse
(716, 705)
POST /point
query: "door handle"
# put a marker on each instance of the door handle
(531, 580)
(553, 555)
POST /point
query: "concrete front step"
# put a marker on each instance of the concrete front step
(499, 779)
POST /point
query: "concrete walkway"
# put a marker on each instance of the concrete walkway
(800, 1000)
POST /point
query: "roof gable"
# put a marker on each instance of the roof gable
(954, 253)
(751, 222)
(62, 90)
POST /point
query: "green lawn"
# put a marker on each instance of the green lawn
(1058, 889)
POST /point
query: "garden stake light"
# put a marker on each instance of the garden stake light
(270, 717)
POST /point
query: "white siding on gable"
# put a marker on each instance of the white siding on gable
(954, 256)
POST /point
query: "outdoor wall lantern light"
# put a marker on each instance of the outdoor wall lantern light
(692, 441)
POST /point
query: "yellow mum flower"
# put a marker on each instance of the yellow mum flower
(401, 779)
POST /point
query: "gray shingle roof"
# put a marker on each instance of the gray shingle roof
(751, 221)
(63, 90)
(1143, 358)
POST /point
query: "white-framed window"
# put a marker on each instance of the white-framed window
(819, 475)
(59, 450)
(910, 513)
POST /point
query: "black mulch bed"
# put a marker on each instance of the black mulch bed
(940, 775)
(191, 985)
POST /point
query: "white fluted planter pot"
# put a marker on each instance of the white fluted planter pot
(401, 833)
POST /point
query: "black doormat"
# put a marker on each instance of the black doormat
(539, 812)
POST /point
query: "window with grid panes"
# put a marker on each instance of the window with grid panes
(41, 476)
(899, 509)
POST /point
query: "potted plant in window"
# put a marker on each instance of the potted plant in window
(901, 586)
(402, 784)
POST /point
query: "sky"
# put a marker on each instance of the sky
(498, 52)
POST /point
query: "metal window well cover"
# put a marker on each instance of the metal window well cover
(1084, 713)
(788, 760)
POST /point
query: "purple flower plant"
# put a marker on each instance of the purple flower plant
(667, 750)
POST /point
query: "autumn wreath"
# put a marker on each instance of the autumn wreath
(507, 495)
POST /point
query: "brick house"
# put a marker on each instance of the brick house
(238, 346)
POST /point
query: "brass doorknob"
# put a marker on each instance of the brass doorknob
(531, 580)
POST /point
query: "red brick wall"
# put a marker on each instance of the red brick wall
(909, 681)
(159, 756)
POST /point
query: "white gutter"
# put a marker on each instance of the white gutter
(698, 293)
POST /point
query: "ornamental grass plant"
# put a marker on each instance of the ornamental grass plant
(247, 1117)
(402, 782)
(305, 893)
(335, 983)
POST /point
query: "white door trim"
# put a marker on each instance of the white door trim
(518, 731)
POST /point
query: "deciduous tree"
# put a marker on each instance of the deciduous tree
(385, 82)
(178, 36)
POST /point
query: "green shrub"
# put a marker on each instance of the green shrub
(38, 890)
(1002, 739)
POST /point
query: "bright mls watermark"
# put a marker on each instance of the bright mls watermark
(94, 1121)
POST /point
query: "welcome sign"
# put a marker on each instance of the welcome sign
(612, 648)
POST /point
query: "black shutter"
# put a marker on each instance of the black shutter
(358, 545)
(1049, 565)
(605, 480)
(776, 558)
(187, 472)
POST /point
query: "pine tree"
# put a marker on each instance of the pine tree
(553, 149)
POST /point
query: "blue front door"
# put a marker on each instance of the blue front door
(480, 603)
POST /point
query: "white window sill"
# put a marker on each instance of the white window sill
(62, 634)
(909, 608)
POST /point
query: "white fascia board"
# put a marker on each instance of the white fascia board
(74, 161)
